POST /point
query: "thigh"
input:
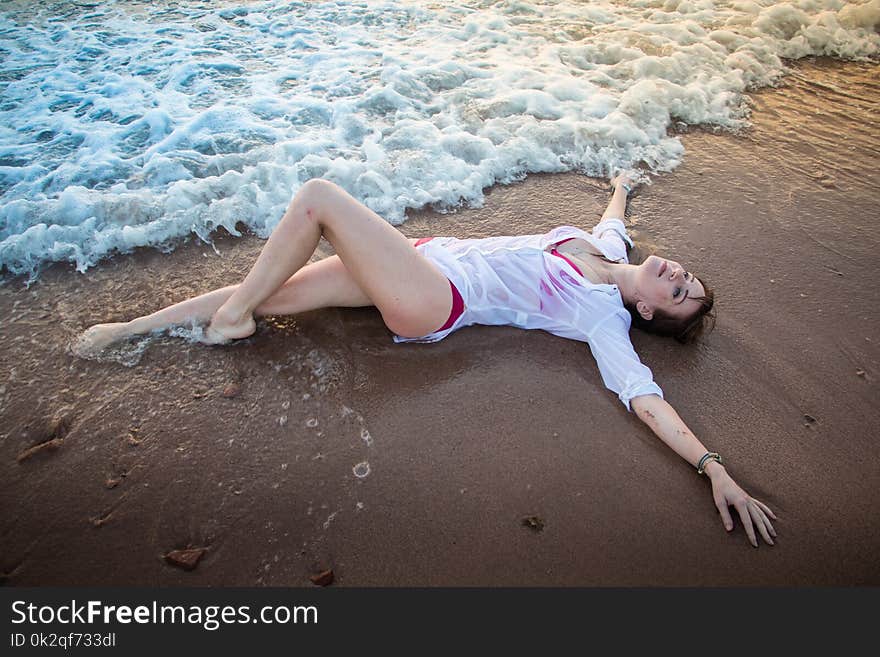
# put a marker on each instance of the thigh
(326, 283)
(323, 284)
(412, 294)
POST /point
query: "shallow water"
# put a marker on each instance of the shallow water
(129, 124)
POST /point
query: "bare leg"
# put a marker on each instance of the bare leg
(322, 284)
(375, 265)
(318, 285)
(412, 294)
(196, 309)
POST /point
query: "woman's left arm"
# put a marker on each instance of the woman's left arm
(656, 412)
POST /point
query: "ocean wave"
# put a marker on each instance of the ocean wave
(131, 124)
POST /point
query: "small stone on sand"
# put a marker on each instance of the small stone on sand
(187, 559)
(324, 578)
(232, 390)
(533, 522)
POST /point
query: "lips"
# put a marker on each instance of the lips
(662, 268)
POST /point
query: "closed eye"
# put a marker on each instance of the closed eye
(677, 291)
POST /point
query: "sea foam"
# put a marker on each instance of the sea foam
(131, 124)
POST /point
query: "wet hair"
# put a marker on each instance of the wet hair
(686, 330)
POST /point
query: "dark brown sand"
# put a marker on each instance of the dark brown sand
(460, 440)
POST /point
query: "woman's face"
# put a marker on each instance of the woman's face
(664, 284)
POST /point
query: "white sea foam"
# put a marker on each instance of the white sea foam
(125, 124)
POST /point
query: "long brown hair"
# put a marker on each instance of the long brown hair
(685, 330)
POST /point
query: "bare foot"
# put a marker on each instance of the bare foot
(225, 327)
(95, 339)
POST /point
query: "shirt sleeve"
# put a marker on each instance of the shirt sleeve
(619, 365)
(613, 232)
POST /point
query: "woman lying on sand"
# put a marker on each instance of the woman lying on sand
(569, 282)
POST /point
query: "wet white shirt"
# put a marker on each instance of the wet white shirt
(515, 281)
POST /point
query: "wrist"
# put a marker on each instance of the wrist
(625, 187)
(707, 458)
(714, 469)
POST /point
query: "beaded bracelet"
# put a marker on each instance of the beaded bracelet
(708, 457)
(626, 186)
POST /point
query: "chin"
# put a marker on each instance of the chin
(647, 280)
(649, 265)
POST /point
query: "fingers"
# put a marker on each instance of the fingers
(765, 509)
(725, 514)
(753, 513)
(743, 510)
(762, 509)
(761, 521)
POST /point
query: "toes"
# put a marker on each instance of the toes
(85, 343)
(78, 347)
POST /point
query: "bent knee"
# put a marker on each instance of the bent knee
(316, 190)
(318, 186)
(312, 197)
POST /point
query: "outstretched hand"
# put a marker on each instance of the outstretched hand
(752, 512)
(624, 177)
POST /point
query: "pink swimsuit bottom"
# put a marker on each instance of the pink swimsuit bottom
(458, 302)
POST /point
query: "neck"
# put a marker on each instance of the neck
(623, 276)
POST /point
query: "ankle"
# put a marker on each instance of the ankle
(233, 315)
(134, 326)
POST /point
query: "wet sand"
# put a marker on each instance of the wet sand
(319, 444)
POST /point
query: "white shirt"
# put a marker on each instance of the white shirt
(515, 281)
